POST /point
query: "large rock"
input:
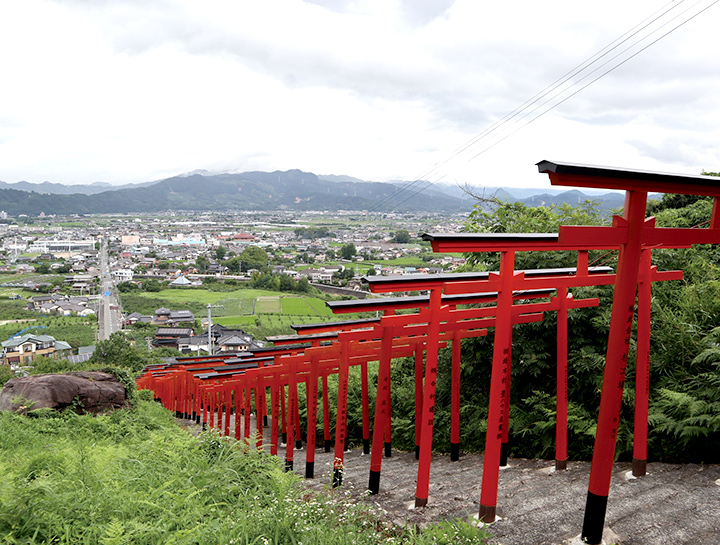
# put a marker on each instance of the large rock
(87, 391)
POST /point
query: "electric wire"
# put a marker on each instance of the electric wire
(549, 91)
(591, 82)
(561, 80)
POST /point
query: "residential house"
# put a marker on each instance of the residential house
(194, 344)
(162, 315)
(180, 316)
(172, 317)
(170, 336)
(24, 349)
(233, 343)
(122, 275)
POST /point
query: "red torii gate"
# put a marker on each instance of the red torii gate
(422, 303)
(480, 282)
(459, 324)
(630, 233)
(394, 336)
(346, 325)
(498, 242)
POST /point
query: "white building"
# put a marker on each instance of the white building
(123, 275)
(51, 246)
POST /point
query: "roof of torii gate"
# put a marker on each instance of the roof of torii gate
(578, 175)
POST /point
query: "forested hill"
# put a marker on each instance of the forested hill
(289, 190)
(292, 190)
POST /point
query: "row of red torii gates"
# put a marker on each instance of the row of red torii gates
(210, 388)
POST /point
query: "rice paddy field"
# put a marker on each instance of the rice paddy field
(242, 307)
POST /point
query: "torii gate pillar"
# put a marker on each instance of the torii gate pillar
(630, 232)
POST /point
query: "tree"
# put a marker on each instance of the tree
(233, 264)
(342, 277)
(43, 268)
(516, 217)
(402, 236)
(220, 253)
(125, 287)
(286, 282)
(117, 350)
(254, 257)
(202, 263)
(303, 285)
(5, 374)
(348, 251)
(152, 285)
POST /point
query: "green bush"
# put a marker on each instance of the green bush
(133, 476)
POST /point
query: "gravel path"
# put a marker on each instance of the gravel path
(673, 504)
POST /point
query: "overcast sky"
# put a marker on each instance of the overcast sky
(126, 91)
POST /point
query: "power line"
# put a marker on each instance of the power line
(552, 92)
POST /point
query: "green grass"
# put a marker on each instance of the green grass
(305, 306)
(297, 306)
(75, 330)
(319, 306)
(234, 320)
(266, 312)
(202, 296)
(267, 305)
(134, 477)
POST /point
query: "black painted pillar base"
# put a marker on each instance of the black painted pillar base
(309, 470)
(504, 450)
(454, 452)
(328, 445)
(594, 520)
(265, 421)
(420, 502)
(388, 450)
(560, 465)
(366, 446)
(487, 513)
(284, 438)
(178, 414)
(639, 467)
(298, 444)
(417, 452)
(374, 484)
(288, 465)
(204, 428)
(337, 478)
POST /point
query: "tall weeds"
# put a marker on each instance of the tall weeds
(135, 477)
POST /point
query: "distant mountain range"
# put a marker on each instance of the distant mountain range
(289, 190)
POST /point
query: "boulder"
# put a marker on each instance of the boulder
(86, 391)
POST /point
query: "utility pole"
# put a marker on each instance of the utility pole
(210, 339)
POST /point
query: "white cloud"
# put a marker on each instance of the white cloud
(130, 90)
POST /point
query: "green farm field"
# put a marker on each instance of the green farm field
(247, 307)
(304, 306)
(180, 296)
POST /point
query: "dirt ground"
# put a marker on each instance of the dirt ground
(673, 504)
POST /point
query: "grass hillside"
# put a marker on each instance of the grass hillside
(134, 476)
